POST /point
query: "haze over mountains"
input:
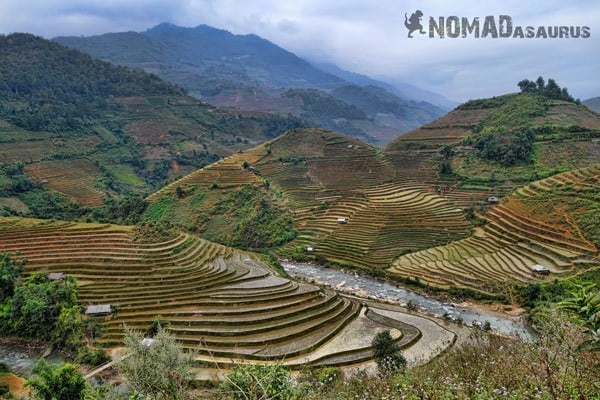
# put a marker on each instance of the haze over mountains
(251, 73)
(593, 103)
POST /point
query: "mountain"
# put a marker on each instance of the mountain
(73, 128)
(187, 52)
(403, 90)
(246, 72)
(593, 104)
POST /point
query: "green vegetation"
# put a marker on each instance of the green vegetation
(64, 89)
(10, 270)
(254, 382)
(159, 370)
(38, 308)
(78, 132)
(585, 304)
(257, 220)
(57, 382)
(506, 148)
(387, 353)
(327, 111)
(549, 368)
(43, 309)
(550, 90)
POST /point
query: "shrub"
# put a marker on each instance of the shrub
(57, 382)
(254, 382)
(387, 353)
(92, 356)
(4, 388)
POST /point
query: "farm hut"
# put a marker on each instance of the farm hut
(540, 269)
(310, 249)
(342, 220)
(99, 310)
(493, 200)
(56, 276)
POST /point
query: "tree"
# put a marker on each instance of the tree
(540, 84)
(159, 370)
(585, 304)
(57, 382)
(37, 304)
(68, 329)
(550, 90)
(10, 270)
(387, 353)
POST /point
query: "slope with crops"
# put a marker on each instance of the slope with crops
(344, 201)
(548, 226)
(91, 130)
(488, 147)
(227, 304)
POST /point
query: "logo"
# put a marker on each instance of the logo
(491, 26)
(414, 22)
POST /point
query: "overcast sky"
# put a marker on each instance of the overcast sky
(363, 36)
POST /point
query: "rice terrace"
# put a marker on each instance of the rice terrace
(142, 226)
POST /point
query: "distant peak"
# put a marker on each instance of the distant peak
(164, 27)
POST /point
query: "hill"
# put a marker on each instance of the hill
(245, 72)
(336, 198)
(78, 129)
(550, 223)
(227, 305)
(593, 104)
(490, 146)
(424, 206)
(403, 90)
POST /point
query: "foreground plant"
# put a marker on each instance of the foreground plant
(159, 369)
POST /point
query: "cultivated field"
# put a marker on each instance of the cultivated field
(537, 225)
(225, 303)
(347, 203)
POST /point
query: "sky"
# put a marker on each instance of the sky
(367, 37)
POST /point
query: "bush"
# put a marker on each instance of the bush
(92, 356)
(57, 382)
(387, 353)
(4, 388)
(4, 369)
(254, 382)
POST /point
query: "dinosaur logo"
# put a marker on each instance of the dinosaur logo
(414, 22)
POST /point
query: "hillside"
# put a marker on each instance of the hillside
(246, 72)
(593, 104)
(83, 130)
(551, 223)
(227, 305)
(498, 144)
(338, 196)
(403, 90)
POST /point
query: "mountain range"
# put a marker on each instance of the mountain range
(251, 73)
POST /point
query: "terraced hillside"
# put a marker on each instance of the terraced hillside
(552, 222)
(226, 303)
(92, 130)
(345, 202)
(565, 137)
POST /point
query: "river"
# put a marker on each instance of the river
(21, 361)
(363, 286)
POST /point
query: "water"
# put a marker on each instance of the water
(21, 362)
(363, 286)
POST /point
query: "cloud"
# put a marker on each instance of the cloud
(366, 37)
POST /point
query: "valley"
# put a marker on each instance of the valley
(223, 205)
